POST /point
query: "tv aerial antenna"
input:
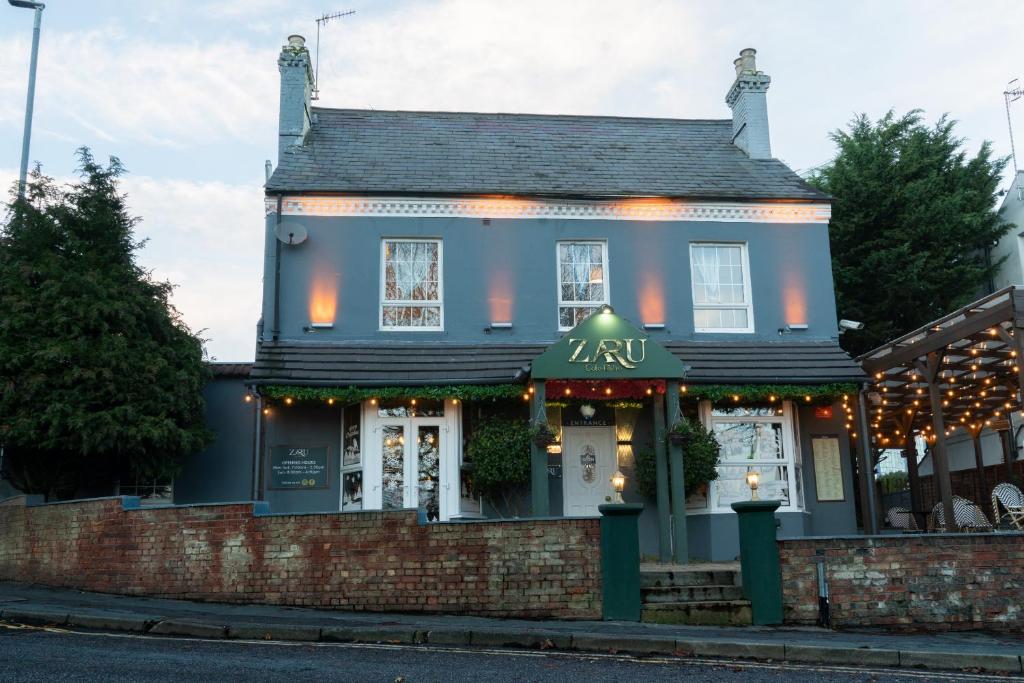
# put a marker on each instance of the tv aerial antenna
(1014, 91)
(320, 23)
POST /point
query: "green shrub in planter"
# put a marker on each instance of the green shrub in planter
(700, 459)
(499, 449)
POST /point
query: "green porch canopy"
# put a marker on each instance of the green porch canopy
(604, 347)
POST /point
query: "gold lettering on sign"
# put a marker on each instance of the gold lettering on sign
(577, 350)
(609, 354)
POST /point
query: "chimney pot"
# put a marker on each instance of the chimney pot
(747, 58)
(738, 63)
(295, 40)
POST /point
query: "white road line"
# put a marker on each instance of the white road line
(929, 675)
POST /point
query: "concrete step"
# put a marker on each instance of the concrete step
(706, 613)
(657, 594)
(665, 579)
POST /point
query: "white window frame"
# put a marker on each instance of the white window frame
(383, 301)
(790, 444)
(747, 292)
(558, 279)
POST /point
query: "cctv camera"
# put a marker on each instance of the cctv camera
(845, 325)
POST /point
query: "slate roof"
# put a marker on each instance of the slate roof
(418, 364)
(221, 369)
(454, 153)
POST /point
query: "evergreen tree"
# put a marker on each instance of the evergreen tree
(99, 377)
(913, 219)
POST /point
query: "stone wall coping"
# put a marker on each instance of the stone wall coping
(898, 537)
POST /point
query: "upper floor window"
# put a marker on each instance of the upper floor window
(721, 288)
(411, 286)
(582, 281)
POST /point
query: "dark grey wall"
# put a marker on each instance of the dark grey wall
(830, 518)
(223, 472)
(304, 425)
(514, 260)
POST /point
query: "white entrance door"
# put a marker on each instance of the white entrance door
(412, 462)
(588, 462)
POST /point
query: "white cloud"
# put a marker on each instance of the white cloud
(131, 90)
(207, 239)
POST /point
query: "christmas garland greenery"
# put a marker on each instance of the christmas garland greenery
(746, 393)
(763, 393)
(463, 392)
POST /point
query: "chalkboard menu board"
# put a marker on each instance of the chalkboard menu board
(828, 469)
(299, 467)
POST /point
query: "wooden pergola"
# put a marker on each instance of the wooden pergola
(960, 372)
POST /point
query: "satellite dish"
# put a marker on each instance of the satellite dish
(291, 233)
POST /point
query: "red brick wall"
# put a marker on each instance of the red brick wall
(378, 561)
(930, 582)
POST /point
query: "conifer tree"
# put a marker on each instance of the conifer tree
(100, 379)
(913, 219)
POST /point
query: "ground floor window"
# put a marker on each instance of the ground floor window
(758, 438)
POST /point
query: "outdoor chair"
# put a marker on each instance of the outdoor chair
(969, 516)
(902, 519)
(1010, 498)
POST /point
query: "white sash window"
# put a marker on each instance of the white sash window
(411, 289)
(720, 276)
(582, 281)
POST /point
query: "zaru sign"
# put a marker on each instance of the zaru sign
(607, 347)
(604, 355)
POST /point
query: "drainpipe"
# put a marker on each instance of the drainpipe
(257, 443)
(276, 330)
(824, 616)
(258, 455)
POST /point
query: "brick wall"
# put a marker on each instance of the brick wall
(377, 561)
(909, 582)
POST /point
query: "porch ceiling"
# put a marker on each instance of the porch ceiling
(973, 355)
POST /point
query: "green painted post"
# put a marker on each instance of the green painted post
(539, 458)
(620, 561)
(661, 479)
(759, 559)
(680, 549)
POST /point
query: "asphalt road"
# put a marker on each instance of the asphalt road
(29, 654)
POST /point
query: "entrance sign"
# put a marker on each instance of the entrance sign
(604, 346)
(299, 467)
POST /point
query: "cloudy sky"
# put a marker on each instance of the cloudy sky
(185, 91)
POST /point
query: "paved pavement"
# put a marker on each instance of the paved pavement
(30, 655)
(20, 603)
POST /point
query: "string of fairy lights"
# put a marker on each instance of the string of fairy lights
(978, 382)
(614, 390)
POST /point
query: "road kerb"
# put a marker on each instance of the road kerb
(741, 649)
(600, 642)
(820, 654)
(37, 616)
(295, 632)
(961, 660)
(101, 621)
(183, 627)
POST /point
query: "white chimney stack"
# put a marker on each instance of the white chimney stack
(748, 100)
(296, 89)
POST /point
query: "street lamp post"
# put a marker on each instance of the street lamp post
(38, 7)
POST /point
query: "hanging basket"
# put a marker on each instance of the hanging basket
(678, 438)
(542, 435)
